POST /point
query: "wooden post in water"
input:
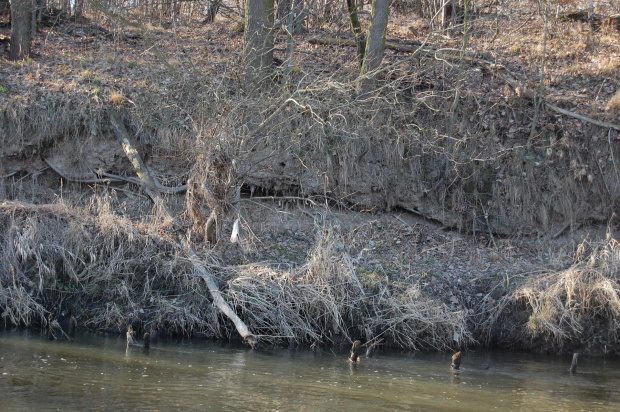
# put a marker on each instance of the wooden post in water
(573, 365)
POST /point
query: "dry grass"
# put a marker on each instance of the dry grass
(614, 103)
(110, 273)
(324, 301)
(576, 308)
(403, 149)
(117, 99)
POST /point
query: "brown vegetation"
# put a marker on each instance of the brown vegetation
(574, 308)
(507, 133)
(114, 273)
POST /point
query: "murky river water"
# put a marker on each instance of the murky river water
(98, 373)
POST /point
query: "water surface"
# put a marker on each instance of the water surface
(100, 373)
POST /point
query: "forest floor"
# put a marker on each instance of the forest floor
(116, 64)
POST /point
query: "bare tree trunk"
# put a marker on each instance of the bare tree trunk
(283, 9)
(20, 29)
(375, 45)
(357, 30)
(79, 9)
(33, 18)
(66, 8)
(210, 10)
(258, 40)
(291, 13)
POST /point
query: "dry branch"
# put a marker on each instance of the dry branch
(112, 178)
(219, 301)
(164, 189)
(62, 174)
(129, 147)
(582, 117)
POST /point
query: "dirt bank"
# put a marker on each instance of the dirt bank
(448, 211)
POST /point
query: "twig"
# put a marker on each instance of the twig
(582, 117)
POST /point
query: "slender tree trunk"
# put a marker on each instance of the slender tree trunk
(66, 8)
(20, 29)
(33, 18)
(283, 9)
(79, 9)
(357, 30)
(291, 9)
(210, 10)
(375, 45)
(258, 40)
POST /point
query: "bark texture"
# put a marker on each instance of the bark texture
(20, 29)
(375, 44)
(258, 40)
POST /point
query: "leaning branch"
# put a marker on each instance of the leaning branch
(129, 147)
(582, 117)
(219, 301)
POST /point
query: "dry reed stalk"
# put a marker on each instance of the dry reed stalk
(322, 302)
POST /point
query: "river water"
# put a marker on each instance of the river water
(100, 373)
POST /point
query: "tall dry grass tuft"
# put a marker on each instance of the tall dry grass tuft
(579, 306)
(106, 269)
(325, 301)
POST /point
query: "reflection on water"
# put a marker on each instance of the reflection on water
(98, 373)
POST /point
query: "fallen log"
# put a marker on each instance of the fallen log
(62, 174)
(159, 186)
(111, 178)
(334, 41)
